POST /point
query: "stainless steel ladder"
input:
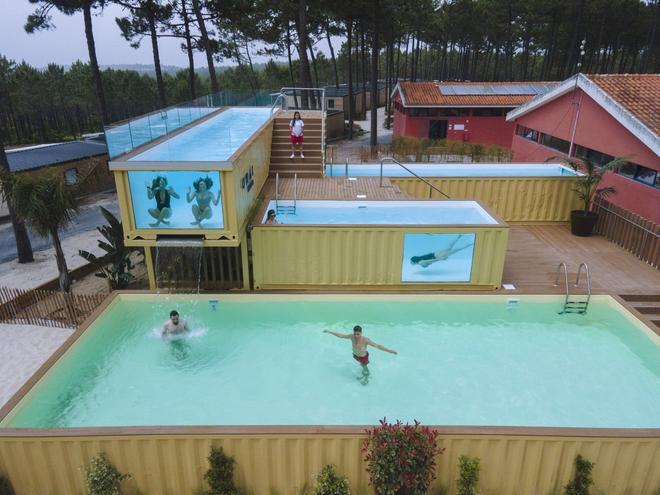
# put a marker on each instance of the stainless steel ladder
(289, 209)
(394, 160)
(575, 305)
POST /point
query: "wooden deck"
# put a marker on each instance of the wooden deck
(335, 188)
(535, 251)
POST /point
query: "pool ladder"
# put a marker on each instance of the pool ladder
(574, 306)
(289, 209)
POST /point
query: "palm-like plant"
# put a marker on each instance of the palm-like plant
(115, 265)
(586, 186)
(48, 204)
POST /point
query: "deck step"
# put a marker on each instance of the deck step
(648, 310)
(641, 297)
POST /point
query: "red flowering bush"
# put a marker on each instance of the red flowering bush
(401, 458)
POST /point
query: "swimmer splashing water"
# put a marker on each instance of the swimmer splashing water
(439, 255)
(360, 353)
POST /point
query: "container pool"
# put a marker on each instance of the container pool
(263, 360)
(215, 139)
(312, 212)
(452, 170)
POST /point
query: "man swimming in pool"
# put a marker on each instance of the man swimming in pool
(174, 325)
(439, 255)
(360, 343)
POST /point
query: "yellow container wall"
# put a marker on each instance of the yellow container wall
(309, 257)
(284, 463)
(514, 199)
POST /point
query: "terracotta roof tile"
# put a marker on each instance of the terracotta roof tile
(429, 93)
(637, 93)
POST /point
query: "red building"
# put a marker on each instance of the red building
(460, 111)
(599, 117)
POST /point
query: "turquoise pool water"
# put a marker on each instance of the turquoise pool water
(263, 360)
(313, 212)
(213, 140)
(452, 170)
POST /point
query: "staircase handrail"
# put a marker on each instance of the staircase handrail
(392, 159)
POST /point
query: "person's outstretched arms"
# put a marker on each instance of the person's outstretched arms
(380, 347)
(337, 334)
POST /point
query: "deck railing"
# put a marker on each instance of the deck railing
(48, 308)
(630, 231)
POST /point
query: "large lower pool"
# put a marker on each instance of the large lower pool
(264, 360)
(319, 212)
(213, 140)
(452, 170)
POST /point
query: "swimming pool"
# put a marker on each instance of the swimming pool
(452, 170)
(215, 139)
(312, 212)
(263, 360)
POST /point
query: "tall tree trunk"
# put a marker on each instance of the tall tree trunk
(23, 244)
(64, 277)
(96, 72)
(363, 71)
(332, 54)
(206, 43)
(154, 48)
(189, 50)
(375, 49)
(311, 54)
(253, 74)
(288, 53)
(305, 73)
(351, 103)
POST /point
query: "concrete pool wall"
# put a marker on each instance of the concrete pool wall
(272, 459)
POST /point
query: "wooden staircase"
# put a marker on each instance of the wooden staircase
(648, 305)
(280, 152)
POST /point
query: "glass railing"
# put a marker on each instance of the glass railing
(126, 135)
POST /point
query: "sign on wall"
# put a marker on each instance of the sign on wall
(182, 199)
(437, 257)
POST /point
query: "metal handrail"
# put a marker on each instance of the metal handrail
(559, 267)
(295, 191)
(586, 273)
(389, 158)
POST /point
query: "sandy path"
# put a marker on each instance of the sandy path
(23, 349)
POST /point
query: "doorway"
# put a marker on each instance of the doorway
(437, 129)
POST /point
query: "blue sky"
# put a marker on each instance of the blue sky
(66, 43)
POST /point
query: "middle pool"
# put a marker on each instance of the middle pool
(312, 212)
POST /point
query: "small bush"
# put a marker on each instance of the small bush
(582, 479)
(5, 486)
(328, 482)
(102, 477)
(220, 475)
(468, 475)
(401, 458)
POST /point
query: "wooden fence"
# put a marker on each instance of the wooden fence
(49, 308)
(629, 230)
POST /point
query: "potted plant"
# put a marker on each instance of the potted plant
(586, 188)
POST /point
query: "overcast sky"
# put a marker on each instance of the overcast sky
(66, 43)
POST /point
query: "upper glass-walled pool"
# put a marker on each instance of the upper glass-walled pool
(215, 139)
(451, 170)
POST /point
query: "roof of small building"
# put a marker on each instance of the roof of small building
(631, 99)
(473, 94)
(40, 156)
(342, 90)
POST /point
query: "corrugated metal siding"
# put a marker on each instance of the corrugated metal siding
(284, 463)
(534, 199)
(307, 256)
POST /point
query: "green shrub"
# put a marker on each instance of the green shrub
(102, 477)
(328, 482)
(401, 458)
(582, 479)
(220, 475)
(468, 468)
(5, 486)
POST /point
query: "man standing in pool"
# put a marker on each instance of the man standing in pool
(175, 325)
(163, 194)
(360, 343)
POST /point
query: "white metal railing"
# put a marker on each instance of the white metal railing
(574, 306)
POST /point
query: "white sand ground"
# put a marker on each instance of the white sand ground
(44, 267)
(23, 349)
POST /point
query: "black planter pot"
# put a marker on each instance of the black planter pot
(583, 222)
